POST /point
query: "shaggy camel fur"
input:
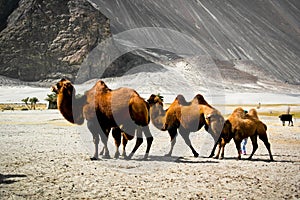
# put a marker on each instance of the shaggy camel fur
(186, 117)
(121, 110)
(240, 125)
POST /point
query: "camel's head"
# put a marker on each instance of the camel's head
(70, 106)
(64, 86)
(214, 123)
(155, 99)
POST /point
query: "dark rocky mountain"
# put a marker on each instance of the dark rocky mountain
(48, 39)
(250, 40)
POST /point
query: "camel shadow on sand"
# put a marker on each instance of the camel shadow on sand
(267, 159)
(178, 159)
(10, 178)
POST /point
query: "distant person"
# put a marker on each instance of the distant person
(244, 142)
(243, 146)
(258, 106)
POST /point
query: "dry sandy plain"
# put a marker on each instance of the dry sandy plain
(45, 157)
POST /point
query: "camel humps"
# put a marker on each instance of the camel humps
(240, 125)
(121, 110)
(186, 117)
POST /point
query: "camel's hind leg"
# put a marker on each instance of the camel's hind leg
(139, 141)
(185, 135)
(116, 132)
(264, 138)
(254, 145)
(173, 135)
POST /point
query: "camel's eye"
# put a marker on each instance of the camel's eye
(67, 84)
(58, 85)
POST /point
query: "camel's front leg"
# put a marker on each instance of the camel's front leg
(214, 131)
(104, 138)
(173, 135)
(102, 151)
(139, 141)
(223, 143)
(185, 135)
(116, 132)
(149, 137)
(254, 145)
(93, 129)
(238, 148)
(219, 150)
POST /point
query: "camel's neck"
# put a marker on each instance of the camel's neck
(70, 107)
(157, 115)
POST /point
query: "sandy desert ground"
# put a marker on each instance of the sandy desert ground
(45, 157)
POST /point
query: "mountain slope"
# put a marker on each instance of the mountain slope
(264, 33)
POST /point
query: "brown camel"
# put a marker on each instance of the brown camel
(186, 117)
(121, 110)
(240, 125)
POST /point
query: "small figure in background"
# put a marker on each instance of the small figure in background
(244, 141)
(258, 106)
(243, 146)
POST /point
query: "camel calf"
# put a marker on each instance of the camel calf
(240, 125)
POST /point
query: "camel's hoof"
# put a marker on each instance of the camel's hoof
(94, 158)
(106, 156)
(117, 155)
(127, 157)
(196, 155)
(216, 157)
(168, 155)
(211, 155)
(146, 156)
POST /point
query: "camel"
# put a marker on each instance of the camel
(121, 110)
(240, 125)
(186, 117)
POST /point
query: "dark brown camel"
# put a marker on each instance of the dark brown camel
(240, 125)
(186, 117)
(121, 110)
